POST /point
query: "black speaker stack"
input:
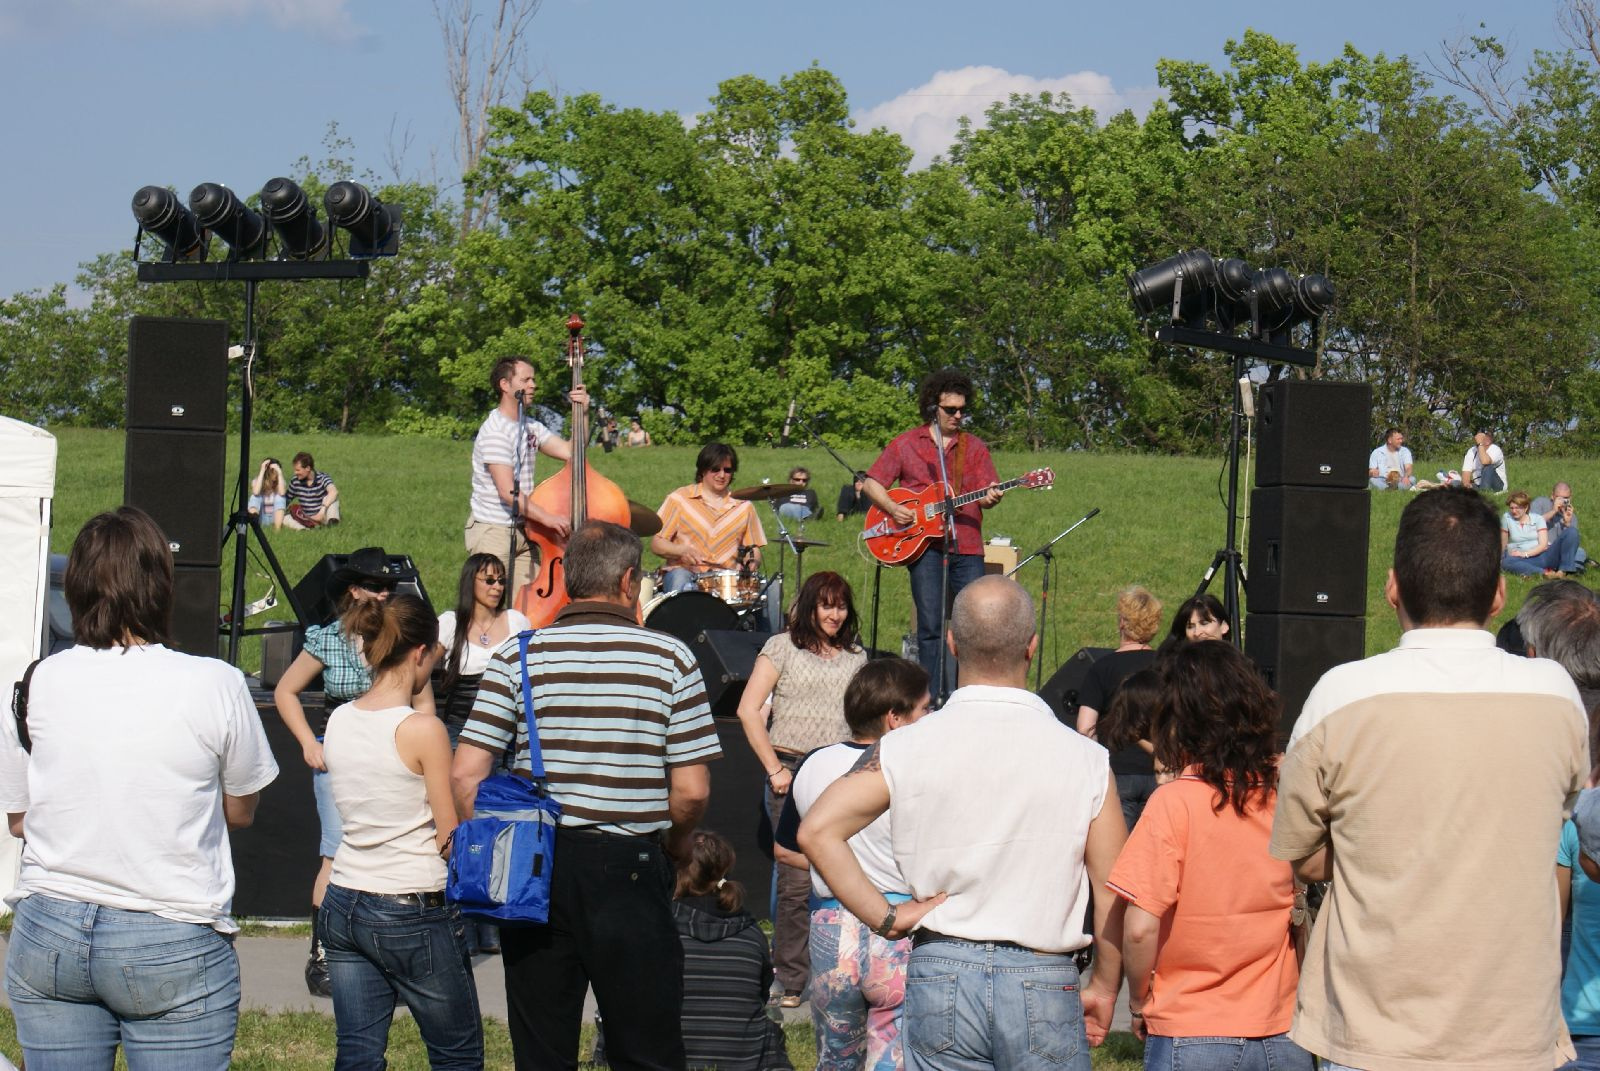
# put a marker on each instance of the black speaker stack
(1309, 526)
(173, 464)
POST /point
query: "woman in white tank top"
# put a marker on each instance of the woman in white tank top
(384, 922)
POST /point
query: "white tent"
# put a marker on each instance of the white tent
(27, 485)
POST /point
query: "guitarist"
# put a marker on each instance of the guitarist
(912, 460)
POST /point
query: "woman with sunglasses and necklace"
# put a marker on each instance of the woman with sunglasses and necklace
(703, 527)
(334, 652)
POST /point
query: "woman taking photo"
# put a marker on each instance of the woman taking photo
(1207, 944)
(384, 923)
(142, 760)
(334, 651)
(483, 603)
(267, 493)
(805, 671)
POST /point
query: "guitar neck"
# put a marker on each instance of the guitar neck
(973, 496)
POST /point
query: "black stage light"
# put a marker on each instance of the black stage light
(1313, 296)
(1234, 280)
(221, 212)
(1274, 297)
(159, 212)
(1151, 288)
(374, 227)
(300, 233)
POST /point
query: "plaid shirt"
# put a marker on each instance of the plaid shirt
(344, 674)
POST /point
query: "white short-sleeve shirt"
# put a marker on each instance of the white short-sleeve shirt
(497, 444)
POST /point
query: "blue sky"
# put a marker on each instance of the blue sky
(101, 97)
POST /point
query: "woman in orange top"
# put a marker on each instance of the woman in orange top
(1207, 944)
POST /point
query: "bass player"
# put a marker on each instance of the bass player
(912, 459)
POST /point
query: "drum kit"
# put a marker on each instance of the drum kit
(736, 599)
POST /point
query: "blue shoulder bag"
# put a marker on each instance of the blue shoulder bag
(501, 857)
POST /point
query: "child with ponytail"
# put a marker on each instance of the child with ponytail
(727, 966)
(384, 922)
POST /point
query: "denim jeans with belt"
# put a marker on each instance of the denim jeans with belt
(927, 582)
(380, 950)
(83, 978)
(1276, 1053)
(972, 1005)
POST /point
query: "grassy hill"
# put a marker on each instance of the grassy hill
(1161, 519)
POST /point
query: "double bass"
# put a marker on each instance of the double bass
(577, 492)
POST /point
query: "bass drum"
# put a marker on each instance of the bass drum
(686, 614)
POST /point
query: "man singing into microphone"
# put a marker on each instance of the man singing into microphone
(912, 458)
(495, 453)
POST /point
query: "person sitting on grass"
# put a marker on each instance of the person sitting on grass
(1525, 548)
(727, 966)
(267, 492)
(313, 498)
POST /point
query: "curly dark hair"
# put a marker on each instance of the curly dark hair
(1127, 718)
(937, 384)
(1217, 713)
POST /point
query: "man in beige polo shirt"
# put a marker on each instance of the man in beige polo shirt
(1428, 784)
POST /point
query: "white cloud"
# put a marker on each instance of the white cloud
(927, 117)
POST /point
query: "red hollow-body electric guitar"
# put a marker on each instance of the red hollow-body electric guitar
(894, 545)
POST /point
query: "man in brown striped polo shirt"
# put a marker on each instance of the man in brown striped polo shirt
(1428, 784)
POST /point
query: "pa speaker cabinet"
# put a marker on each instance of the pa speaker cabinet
(1312, 433)
(1308, 551)
(319, 605)
(726, 657)
(177, 374)
(176, 477)
(1293, 651)
(196, 609)
(1061, 690)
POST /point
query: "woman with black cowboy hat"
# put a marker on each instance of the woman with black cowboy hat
(335, 653)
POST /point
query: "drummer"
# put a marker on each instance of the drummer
(703, 527)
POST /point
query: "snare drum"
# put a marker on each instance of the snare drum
(686, 614)
(732, 586)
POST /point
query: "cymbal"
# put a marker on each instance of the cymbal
(643, 520)
(801, 543)
(763, 491)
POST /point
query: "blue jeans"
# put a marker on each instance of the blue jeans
(1276, 1053)
(794, 511)
(379, 950)
(330, 825)
(970, 1005)
(926, 575)
(1562, 554)
(1588, 1046)
(82, 978)
(678, 580)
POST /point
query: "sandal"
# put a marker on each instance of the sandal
(790, 1000)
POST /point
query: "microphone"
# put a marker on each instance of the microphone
(787, 421)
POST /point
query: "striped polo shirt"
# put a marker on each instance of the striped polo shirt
(617, 705)
(715, 532)
(311, 493)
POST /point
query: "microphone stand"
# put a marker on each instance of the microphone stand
(947, 552)
(1048, 554)
(518, 457)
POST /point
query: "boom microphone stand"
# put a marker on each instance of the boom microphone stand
(941, 690)
(1048, 554)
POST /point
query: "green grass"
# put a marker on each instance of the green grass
(304, 1041)
(1161, 520)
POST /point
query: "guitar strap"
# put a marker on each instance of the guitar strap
(958, 464)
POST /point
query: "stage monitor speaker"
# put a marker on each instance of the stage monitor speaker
(196, 609)
(1293, 651)
(177, 374)
(1308, 551)
(278, 650)
(726, 657)
(319, 605)
(1061, 690)
(176, 477)
(1313, 433)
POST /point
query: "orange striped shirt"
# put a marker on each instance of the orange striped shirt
(715, 532)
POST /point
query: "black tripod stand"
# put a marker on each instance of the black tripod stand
(1228, 558)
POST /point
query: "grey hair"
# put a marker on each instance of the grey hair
(598, 555)
(1561, 621)
(992, 622)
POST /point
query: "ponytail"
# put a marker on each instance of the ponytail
(391, 629)
(705, 872)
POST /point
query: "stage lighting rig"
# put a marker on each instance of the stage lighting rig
(374, 227)
(219, 210)
(160, 213)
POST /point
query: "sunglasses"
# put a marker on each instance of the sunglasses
(729, 471)
(954, 410)
(377, 587)
(493, 581)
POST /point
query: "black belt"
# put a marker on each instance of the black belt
(1081, 957)
(411, 899)
(590, 833)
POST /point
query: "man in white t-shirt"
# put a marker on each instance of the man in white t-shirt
(1390, 464)
(1484, 467)
(1001, 818)
(500, 462)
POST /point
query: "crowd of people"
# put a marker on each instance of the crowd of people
(961, 877)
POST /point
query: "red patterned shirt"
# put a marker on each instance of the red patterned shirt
(913, 460)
